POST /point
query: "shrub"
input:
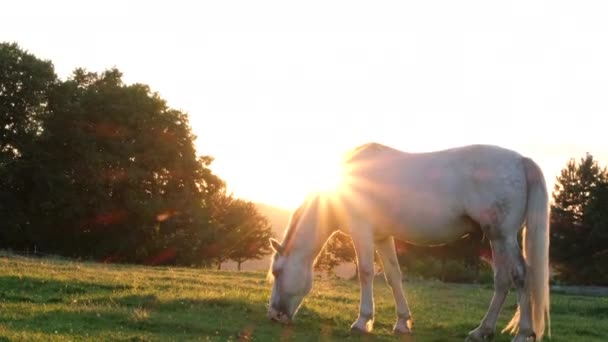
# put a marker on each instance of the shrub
(449, 270)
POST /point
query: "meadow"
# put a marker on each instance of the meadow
(61, 300)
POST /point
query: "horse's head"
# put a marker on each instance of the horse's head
(292, 263)
(292, 282)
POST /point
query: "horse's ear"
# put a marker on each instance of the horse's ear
(276, 246)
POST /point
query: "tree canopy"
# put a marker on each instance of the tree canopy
(96, 168)
(579, 222)
(339, 249)
(25, 83)
(25, 86)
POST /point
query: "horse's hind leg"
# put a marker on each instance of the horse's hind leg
(523, 320)
(502, 281)
(392, 274)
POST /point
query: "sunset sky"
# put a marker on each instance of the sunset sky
(277, 90)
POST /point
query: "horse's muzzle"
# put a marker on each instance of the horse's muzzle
(278, 316)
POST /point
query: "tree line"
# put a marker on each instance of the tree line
(578, 237)
(91, 167)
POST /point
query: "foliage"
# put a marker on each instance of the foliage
(91, 167)
(449, 270)
(338, 249)
(597, 218)
(251, 233)
(48, 300)
(242, 233)
(579, 226)
(120, 178)
(458, 261)
(25, 86)
(25, 83)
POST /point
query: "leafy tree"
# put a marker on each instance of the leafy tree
(92, 167)
(241, 232)
(252, 232)
(597, 219)
(327, 260)
(118, 176)
(223, 238)
(25, 85)
(466, 253)
(578, 218)
(338, 249)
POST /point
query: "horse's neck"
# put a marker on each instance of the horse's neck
(312, 234)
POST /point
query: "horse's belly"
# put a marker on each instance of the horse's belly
(429, 230)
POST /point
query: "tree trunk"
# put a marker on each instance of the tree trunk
(219, 265)
(239, 265)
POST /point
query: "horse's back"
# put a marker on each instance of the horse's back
(480, 152)
(431, 196)
(458, 164)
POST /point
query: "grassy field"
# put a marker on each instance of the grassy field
(54, 300)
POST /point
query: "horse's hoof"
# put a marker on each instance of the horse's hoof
(473, 337)
(356, 330)
(361, 328)
(522, 338)
(362, 325)
(399, 332)
(403, 327)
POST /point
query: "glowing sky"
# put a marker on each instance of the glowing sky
(275, 89)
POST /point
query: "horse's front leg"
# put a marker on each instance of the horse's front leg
(392, 274)
(364, 248)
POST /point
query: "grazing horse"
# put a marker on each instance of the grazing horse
(426, 199)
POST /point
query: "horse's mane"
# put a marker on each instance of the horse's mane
(290, 232)
(291, 227)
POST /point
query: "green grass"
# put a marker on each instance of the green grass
(55, 300)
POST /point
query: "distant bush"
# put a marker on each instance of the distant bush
(449, 270)
(456, 272)
(486, 273)
(425, 267)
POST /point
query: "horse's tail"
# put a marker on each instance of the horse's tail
(536, 251)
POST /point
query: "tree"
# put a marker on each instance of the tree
(25, 86)
(597, 219)
(577, 216)
(118, 177)
(252, 232)
(338, 249)
(241, 233)
(92, 167)
(25, 83)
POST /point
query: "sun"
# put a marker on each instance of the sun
(325, 177)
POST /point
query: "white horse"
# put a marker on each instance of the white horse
(426, 199)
